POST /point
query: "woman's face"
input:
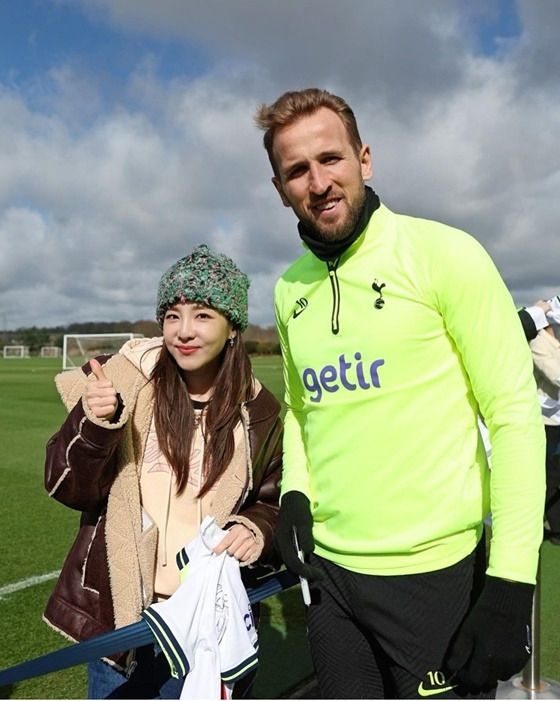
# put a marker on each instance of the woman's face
(195, 335)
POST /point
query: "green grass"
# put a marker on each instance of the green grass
(37, 533)
(269, 371)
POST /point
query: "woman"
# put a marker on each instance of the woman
(158, 436)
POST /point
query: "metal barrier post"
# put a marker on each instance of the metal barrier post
(531, 685)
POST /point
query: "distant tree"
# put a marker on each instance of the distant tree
(255, 338)
(147, 328)
(34, 338)
(100, 327)
(264, 335)
(267, 348)
(251, 346)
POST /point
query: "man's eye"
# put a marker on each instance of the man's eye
(296, 173)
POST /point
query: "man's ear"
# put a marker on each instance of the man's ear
(277, 184)
(366, 162)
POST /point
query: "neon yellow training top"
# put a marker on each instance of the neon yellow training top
(390, 354)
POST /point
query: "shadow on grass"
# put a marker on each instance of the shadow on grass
(284, 658)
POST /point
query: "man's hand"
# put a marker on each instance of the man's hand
(494, 641)
(239, 542)
(295, 511)
(101, 396)
(545, 306)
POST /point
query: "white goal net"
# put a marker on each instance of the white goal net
(16, 351)
(51, 352)
(78, 349)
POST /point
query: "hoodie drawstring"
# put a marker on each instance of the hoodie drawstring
(166, 521)
(199, 485)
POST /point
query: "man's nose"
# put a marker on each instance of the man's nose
(318, 179)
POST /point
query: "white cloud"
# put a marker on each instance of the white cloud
(101, 189)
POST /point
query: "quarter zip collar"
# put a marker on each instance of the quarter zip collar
(335, 288)
(331, 250)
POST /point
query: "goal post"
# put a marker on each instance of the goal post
(51, 352)
(16, 352)
(80, 348)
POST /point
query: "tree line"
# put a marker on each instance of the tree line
(257, 340)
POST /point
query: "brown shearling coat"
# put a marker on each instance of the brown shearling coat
(94, 466)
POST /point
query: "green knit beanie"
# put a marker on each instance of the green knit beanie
(208, 278)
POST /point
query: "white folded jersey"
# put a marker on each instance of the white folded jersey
(206, 628)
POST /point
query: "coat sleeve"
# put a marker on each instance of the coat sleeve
(81, 456)
(262, 510)
(259, 510)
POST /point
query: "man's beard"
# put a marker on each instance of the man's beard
(344, 229)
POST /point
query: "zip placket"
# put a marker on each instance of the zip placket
(335, 288)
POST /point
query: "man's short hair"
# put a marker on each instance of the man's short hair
(294, 105)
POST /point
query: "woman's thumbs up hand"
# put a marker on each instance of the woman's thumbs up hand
(101, 396)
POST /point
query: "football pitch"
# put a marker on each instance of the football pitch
(36, 533)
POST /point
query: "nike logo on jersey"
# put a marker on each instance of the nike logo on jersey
(422, 691)
(437, 684)
(302, 302)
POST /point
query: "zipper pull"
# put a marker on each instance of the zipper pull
(130, 669)
(131, 666)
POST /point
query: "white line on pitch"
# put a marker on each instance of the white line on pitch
(26, 583)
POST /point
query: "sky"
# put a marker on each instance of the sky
(127, 137)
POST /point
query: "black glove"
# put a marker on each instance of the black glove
(494, 640)
(295, 510)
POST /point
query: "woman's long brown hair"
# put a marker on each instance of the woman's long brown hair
(174, 415)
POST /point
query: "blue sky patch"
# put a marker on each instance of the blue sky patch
(490, 22)
(36, 37)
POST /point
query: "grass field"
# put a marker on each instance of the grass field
(36, 533)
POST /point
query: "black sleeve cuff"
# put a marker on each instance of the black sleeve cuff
(529, 326)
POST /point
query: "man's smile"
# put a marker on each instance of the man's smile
(327, 206)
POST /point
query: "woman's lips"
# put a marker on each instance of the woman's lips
(187, 350)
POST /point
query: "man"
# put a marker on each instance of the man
(397, 333)
(541, 325)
